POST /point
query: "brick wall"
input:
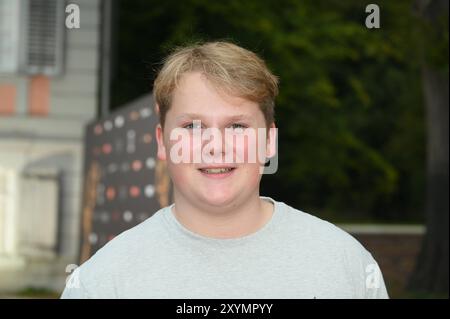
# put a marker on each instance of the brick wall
(396, 255)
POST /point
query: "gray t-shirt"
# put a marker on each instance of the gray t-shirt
(294, 255)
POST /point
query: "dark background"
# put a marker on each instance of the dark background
(350, 111)
(362, 113)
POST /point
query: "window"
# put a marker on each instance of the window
(31, 36)
(7, 224)
(38, 220)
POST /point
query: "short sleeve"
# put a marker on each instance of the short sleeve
(74, 288)
(375, 287)
(365, 274)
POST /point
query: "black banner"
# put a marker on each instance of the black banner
(124, 183)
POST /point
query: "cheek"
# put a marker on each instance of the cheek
(251, 169)
(181, 151)
(180, 173)
(180, 159)
(250, 174)
(251, 150)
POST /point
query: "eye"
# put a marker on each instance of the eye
(239, 125)
(192, 125)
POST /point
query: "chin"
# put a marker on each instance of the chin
(218, 198)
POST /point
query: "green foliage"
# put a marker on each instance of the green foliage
(350, 110)
(38, 292)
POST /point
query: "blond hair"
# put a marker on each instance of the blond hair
(230, 68)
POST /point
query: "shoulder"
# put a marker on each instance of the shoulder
(327, 239)
(97, 276)
(322, 231)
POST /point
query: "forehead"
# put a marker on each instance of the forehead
(195, 94)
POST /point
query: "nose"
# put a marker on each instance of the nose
(215, 146)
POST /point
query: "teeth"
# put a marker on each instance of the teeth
(216, 170)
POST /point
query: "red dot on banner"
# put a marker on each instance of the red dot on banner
(136, 165)
(134, 191)
(107, 148)
(110, 237)
(147, 138)
(110, 193)
(98, 129)
(134, 115)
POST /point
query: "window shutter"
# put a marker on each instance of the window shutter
(44, 37)
(32, 36)
(9, 35)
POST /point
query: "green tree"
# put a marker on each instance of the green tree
(349, 113)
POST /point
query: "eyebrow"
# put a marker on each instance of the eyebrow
(195, 116)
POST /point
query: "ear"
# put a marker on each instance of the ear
(157, 108)
(160, 139)
(271, 146)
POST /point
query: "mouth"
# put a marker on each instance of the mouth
(217, 172)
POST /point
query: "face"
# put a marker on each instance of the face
(219, 170)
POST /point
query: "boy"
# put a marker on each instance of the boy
(220, 238)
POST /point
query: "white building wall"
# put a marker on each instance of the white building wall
(52, 144)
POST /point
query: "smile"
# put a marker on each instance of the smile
(217, 172)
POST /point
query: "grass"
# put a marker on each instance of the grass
(38, 292)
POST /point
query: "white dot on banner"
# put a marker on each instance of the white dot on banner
(112, 168)
(149, 190)
(131, 133)
(104, 217)
(143, 216)
(108, 125)
(146, 112)
(127, 216)
(150, 162)
(93, 238)
(119, 121)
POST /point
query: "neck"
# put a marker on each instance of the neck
(233, 220)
